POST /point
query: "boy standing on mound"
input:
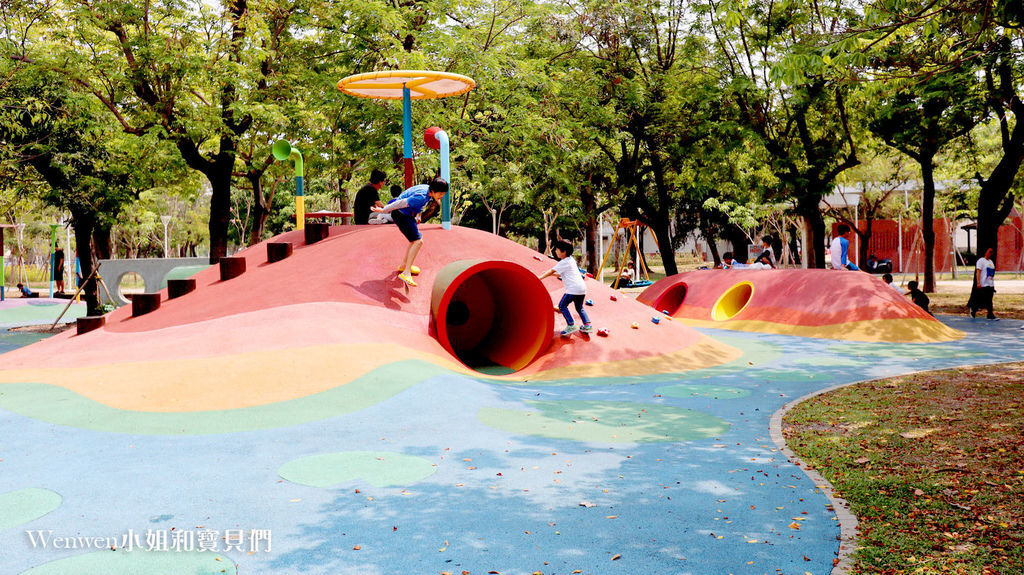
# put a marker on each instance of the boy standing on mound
(575, 288)
(404, 210)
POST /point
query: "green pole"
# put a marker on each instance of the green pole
(283, 150)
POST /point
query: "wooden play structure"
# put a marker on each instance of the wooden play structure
(632, 229)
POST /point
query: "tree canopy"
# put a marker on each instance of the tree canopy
(729, 118)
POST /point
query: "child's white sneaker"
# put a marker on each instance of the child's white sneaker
(569, 330)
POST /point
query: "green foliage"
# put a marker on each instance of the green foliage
(685, 114)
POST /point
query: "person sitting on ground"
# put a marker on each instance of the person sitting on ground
(767, 256)
(25, 292)
(729, 262)
(628, 275)
(841, 250)
(917, 296)
(887, 278)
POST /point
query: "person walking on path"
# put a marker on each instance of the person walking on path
(404, 210)
(841, 250)
(368, 197)
(984, 285)
(575, 288)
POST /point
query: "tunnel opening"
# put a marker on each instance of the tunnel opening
(495, 316)
(732, 301)
(671, 299)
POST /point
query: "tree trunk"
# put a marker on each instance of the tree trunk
(865, 240)
(994, 203)
(814, 251)
(712, 244)
(663, 217)
(101, 241)
(590, 232)
(668, 256)
(928, 221)
(218, 171)
(794, 244)
(738, 242)
(220, 208)
(343, 201)
(83, 223)
(260, 209)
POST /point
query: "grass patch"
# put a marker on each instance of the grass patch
(1008, 305)
(932, 465)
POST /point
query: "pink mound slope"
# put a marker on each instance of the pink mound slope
(343, 291)
(816, 303)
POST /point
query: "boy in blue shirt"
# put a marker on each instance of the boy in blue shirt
(404, 210)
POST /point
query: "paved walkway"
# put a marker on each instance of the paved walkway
(668, 474)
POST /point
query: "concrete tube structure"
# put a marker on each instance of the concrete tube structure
(488, 313)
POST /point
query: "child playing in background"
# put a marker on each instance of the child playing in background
(575, 288)
(917, 296)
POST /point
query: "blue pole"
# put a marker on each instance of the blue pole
(407, 136)
(446, 173)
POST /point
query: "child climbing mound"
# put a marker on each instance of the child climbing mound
(404, 210)
(575, 288)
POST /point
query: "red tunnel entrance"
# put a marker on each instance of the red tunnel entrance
(491, 314)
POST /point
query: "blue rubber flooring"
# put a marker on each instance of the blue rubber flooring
(496, 501)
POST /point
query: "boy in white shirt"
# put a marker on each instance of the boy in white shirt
(575, 288)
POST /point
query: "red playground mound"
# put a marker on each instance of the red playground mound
(811, 303)
(334, 310)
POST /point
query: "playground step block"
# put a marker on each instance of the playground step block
(277, 251)
(231, 267)
(316, 231)
(180, 287)
(89, 323)
(143, 303)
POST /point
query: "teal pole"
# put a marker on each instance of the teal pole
(446, 173)
(53, 256)
(407, 137)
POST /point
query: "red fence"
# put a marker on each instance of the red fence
(884, 244)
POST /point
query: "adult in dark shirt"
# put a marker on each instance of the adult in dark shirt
(58, 269)
(368, 196)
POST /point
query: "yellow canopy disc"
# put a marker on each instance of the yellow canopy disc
(422, 84)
